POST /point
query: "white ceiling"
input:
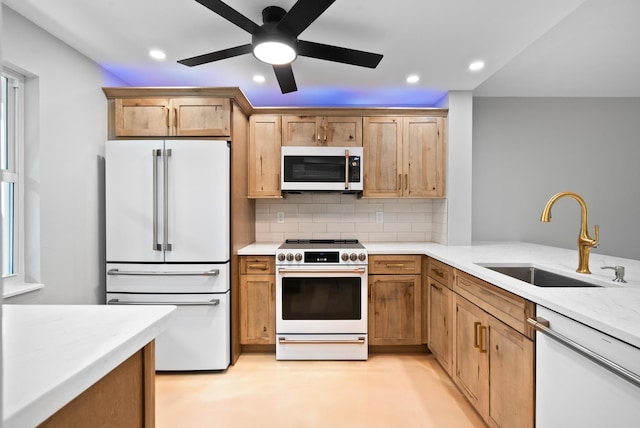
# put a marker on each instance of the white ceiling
(531, 48)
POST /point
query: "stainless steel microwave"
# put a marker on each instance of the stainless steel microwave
(330, 169)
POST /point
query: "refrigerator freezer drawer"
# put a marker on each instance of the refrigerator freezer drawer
(165, 278)
(198, 336)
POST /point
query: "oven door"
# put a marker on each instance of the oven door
(322, 300)
(321, 168)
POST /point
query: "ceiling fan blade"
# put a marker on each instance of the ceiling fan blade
(284, 74)
(338, 54)
(231, 15)
(302, 14)
(218, 55)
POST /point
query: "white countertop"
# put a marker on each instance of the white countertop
(52, 353)
(613, 308)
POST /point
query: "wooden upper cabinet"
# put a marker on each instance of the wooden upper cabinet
(264, 156)
(172, 117)
(201, 117)
(337, 131)
(423, 153)
(142, 117)
(382, 156)
(404, 156)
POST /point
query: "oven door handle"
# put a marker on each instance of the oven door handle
(213, 302)
(282, 340)
(357, 271)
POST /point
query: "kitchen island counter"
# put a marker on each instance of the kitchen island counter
(53, 353)
(613, 308)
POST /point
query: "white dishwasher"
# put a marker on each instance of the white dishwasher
(594, 384)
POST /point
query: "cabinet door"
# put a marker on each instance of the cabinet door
(342, 131)
(423, 156)
(264, 156)
(394, 310)
(142, 117)
(201, 117)
(257, 310)
(198, 197)
(440, 323)
(302, 131)
(131, 234)
(382, 156)
(471, 354)
(511, 376)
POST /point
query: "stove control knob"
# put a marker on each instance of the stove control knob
(344, 257)
(289, 257)
(281, 257)
(353, 257)
(298, 257)
(362, 257)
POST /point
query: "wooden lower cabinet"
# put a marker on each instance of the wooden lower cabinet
(394, 310)
(124, 397)
(395, 300)
(257, 301)
(493, 367)
(511, 377)
(440, 322)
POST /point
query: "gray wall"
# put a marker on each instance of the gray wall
(64, 146)
(527, 149)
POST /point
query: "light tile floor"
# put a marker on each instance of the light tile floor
(398, 391)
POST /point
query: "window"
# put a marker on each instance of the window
(11, 193)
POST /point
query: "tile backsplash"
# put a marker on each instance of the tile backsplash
(328, 215)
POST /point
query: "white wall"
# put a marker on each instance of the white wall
(65, 162)
(527, 149)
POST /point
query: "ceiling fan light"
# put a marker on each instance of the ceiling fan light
(276, 53)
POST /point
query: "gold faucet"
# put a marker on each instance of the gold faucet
(585, 242)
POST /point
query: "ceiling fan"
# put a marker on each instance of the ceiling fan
(276, 41)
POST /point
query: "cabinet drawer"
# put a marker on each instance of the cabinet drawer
(257, 265)
(395, 265)
(441, 272)
(509, 308)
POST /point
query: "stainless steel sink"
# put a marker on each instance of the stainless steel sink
(538, 277)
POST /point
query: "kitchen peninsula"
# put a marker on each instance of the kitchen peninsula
(65, 363)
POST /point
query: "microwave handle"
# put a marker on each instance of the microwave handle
(346, 169)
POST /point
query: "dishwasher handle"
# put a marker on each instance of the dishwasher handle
(212, 272)
(213, 302)
(542, 325)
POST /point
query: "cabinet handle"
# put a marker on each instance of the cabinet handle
(438, 272)
(395, 265)
(406, 181)
(476, 342)
(483, 330)
(399, 182)
(175, 119)
(260, 266)
(166, 117)
(437, 287)
(324, 125)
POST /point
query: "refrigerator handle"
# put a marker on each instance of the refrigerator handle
(155, 153)
(165, 214)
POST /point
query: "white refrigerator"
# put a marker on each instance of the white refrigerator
(167, 242)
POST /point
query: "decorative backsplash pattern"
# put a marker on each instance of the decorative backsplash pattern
(328, 215)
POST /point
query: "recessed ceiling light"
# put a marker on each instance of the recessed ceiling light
(157, 54)
(476, 65)
(258, 78)
(413, 78)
